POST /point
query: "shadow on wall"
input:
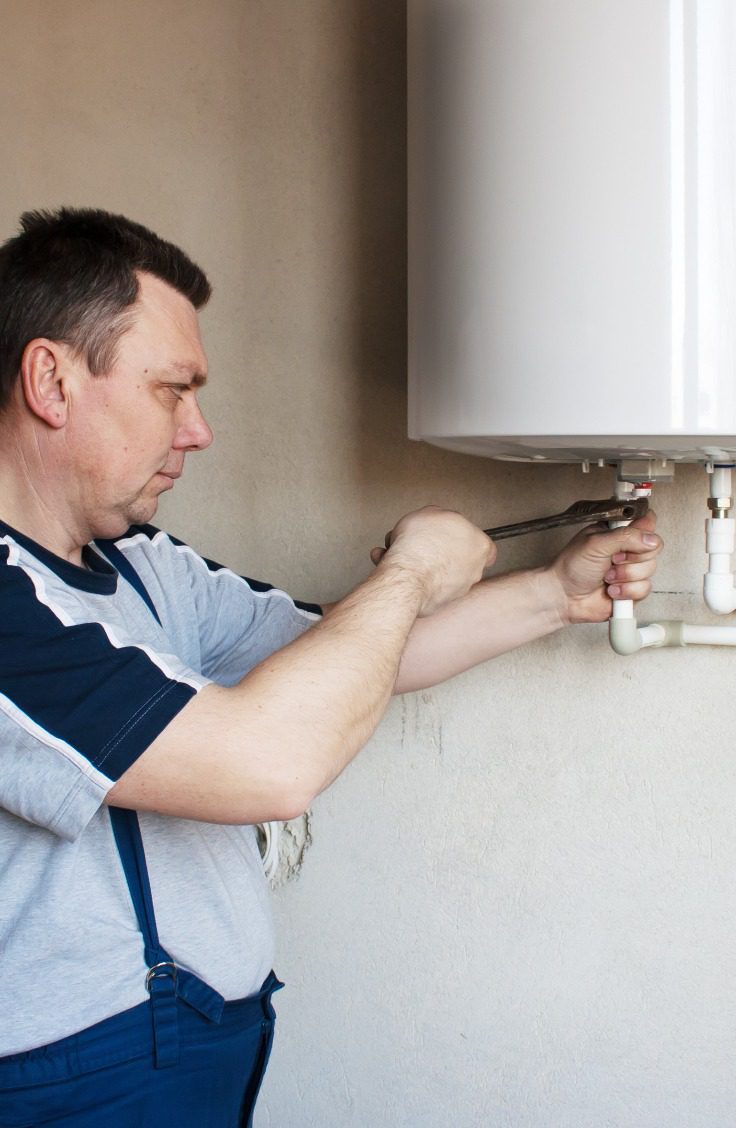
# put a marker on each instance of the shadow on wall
(381, 218)
(392, 468)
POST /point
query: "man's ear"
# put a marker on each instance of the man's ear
(44, 388)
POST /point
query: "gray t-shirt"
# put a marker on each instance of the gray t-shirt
(88, 678)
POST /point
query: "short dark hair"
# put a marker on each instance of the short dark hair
(71, 275)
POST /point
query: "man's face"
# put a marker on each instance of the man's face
(130, 429)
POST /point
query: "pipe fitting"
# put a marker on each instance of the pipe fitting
(624, 636)
(627, 637)
(673, 632)
(718, 582)
(719, 592)
(720, 534)
(719, 506)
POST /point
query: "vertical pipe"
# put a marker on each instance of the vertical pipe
(720, 533)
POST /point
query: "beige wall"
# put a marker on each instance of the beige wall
(517, 909)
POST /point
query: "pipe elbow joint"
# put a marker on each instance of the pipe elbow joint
(719, 593)
(624, 636)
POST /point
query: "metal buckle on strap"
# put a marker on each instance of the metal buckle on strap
(159, 970)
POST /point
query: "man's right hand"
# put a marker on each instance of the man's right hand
(446, 552)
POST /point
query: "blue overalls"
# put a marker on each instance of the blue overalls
(184, 1057)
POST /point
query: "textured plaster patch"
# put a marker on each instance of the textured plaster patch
(294, 841)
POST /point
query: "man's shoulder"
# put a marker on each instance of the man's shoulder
(143, 541)
(161, 548)
(164, 552)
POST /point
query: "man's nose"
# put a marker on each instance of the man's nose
(195, 432)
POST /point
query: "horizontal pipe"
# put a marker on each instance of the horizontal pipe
(693, 635)
(628, 638)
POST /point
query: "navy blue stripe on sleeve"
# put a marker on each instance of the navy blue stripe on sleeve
(108, 702)
(258, 585)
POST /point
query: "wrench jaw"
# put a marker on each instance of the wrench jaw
(610, 509)
(579, 513)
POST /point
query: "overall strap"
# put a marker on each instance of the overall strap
(165, 981)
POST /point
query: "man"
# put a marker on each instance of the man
(137, 677)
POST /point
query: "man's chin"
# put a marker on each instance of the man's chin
(114, 525)
(141, 512)
(144, 512)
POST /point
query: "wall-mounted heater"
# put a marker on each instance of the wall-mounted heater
(572, 236)
(572, 182)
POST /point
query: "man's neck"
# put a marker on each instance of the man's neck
(29, 502)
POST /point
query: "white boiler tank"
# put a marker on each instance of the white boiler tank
(572, 216)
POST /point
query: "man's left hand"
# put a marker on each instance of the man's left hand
(599, 566)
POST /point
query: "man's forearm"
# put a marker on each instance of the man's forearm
(497, 615)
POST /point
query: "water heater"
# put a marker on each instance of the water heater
(572, 228)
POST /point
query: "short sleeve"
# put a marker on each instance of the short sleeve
(225, 624)
(80, 699)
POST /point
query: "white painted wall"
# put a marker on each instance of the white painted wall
(517, 911)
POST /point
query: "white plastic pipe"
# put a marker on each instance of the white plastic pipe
(720, 481)
(628, 638)
(720, 537)
(623, 631)
(623, 608)
(692, 635)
